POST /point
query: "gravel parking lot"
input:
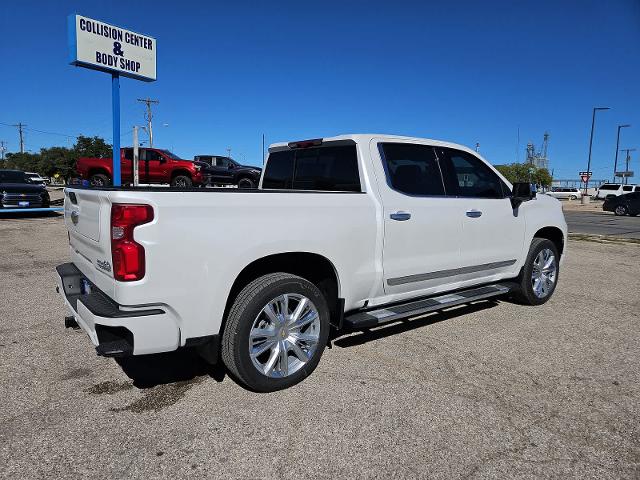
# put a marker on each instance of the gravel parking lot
(493, 389)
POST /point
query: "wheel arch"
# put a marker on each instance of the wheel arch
(554, 234)
(313, 267)
(98, 171)
(181, 171)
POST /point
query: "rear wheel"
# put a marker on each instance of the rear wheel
(99, 180)
(246, 183)
(181, 181)
(276, 332)
(620, 210)
(572, 197)
(539, 276)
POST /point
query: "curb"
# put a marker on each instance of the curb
(603, 238)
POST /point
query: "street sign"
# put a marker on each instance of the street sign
(628, 173)
(101, 46)
(585, 176)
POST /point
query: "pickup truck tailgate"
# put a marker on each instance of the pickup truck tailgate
(87, 217)
(85, 205)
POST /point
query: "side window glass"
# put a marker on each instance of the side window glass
(128, 153)
(152, 155)
(412, 169)
(472, 177)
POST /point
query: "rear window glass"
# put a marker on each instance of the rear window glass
(609, 186)
(329, 168)
(627, 188)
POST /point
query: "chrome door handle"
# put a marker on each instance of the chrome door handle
(400, 216)
(474, 213)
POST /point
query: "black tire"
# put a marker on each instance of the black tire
(246, 182)
(99, 180)
(246, 308)
(524, 293)
(181, 181)
(572, 197)
(620, 210)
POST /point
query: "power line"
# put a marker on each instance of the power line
(149, 116)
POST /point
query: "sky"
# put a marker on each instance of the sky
(229, 72)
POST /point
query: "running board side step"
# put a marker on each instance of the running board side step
(414, 308)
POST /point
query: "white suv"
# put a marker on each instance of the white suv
(615, 189)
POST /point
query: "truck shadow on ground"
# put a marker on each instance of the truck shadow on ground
(359, 337)
(148, 371)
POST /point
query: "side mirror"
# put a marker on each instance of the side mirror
(522, 192)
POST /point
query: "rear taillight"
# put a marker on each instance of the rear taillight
(126, 254)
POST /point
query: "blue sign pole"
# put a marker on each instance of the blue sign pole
(115, 107)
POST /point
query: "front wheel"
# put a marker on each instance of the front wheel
(620, 210)
(276, 332)
(246, 183)
(99, 180)
(181, 181)
(572, 197)
(539, 275)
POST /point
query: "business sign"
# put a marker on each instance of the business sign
(101, 46)
(627, 173)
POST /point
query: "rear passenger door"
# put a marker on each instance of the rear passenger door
(422, 228)
(492, 231)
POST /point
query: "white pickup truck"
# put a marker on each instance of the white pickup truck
(343, 233)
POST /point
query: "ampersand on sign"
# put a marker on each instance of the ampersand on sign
(117, 49)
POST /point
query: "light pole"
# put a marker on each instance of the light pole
(615, 164)
(593, 123)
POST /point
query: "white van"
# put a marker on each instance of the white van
(615, 189)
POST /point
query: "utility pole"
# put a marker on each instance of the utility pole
(615, 164)
(628, 159)
(2, 149)
(477, 146)
(263, 149)
(136, 157)
(149, 116)
(229, 152)
(20, 127)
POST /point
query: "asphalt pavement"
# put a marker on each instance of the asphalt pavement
(490, 390)
(602, 223)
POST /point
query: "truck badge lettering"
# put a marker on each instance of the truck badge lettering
(103, 265)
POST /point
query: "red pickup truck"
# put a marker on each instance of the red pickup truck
(155, 166)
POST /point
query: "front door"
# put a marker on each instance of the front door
(422, 229)
(492, 231)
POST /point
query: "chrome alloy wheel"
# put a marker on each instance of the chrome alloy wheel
(620, 210)
(284, 335)
(544, 274)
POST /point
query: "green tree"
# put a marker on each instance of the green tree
(524, 172)
(92, 147)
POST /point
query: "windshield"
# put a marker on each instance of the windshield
(171, 155)
(12, 176)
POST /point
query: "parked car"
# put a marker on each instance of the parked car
(344, 233)
(570, 193)
(226, 171)
(18, 191)
(614, 189)
(627, 204)
(36, 178)
(155, 166)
